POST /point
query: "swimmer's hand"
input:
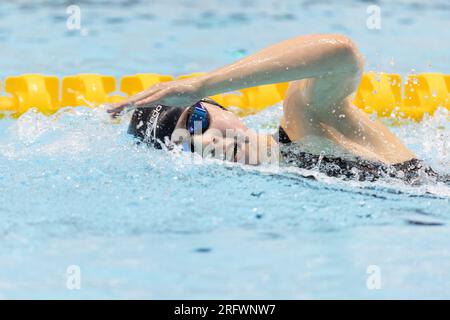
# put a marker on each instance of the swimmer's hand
(177, 93)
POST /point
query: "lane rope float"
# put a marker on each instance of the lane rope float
(386, 94)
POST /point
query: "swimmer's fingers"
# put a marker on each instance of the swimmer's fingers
(120, 109)
(115, 111)
(130, 103)
(175, 93)
(146, 94)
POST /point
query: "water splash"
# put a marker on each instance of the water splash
(429, 139)
(82, 135)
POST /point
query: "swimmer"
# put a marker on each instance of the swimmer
(320, 128)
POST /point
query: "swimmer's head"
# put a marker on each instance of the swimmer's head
(222, 136)
(154, 125)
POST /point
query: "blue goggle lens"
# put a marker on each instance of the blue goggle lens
(198, 119)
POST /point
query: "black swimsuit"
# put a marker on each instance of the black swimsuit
(358, 169)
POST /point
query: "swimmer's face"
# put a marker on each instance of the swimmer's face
(226, 138)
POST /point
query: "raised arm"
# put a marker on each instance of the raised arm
(310, 56)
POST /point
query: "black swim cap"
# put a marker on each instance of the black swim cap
(152, 125)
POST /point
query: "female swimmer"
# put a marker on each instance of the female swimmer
(320, 129)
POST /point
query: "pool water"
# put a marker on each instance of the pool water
(139, 223)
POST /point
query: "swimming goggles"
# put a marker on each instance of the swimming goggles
(198, 119)
(197, 122)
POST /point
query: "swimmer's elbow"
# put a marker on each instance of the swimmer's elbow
(350, 59)
(333, 53)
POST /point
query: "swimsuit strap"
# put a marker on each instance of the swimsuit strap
(281, 136)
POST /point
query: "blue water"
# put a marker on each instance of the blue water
(139, 223)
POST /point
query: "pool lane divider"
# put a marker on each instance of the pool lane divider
(381, 93)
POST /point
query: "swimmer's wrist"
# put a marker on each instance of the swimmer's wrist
(218, 82)
(202, 87)
(208, 85)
